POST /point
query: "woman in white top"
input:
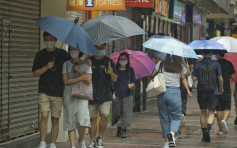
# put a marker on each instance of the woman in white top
(76, 112)
(169, 103)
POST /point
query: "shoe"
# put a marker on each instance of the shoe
(171, 140)
(99, 142)
(166, 145)
(123, 133)
(92, 144)
(183, 120)
(224, 126)
(206, 136)
(119, 130)
(82, 144)
(235, 121)
(42, 144)
(52, 145)
(220, 133)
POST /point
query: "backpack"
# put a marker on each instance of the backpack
(206, 77)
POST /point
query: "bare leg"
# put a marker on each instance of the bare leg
(55, 129)
(203, 120)
(211, 116)
(72, 137)
(219, 118)
(93, 128)
(226, 115)
(81, 132)
(43, 124)
(103, 125)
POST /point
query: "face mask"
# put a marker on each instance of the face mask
(50, 44)
(74, 54)
(123, 63)
(101, 52)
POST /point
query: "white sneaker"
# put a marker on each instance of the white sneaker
(82, 144)
(183, 120)
(220, 133)
(42, 144)
(166, 145)
(224, 126)
(171, 140)
(52, 145)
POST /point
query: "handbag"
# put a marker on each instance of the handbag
(82, 90)
(157, 83)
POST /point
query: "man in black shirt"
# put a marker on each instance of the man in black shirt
(47, 66)
(224, 100)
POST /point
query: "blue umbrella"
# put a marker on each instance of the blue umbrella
(207, 45)
(160, 55)
(170, 46)
(68, 32)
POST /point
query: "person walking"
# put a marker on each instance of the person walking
(47, 66)
(208, 73)
(169, 103)
(76, 112)
(235, 98)
(124, 93)
(224, 100)
(103, 74)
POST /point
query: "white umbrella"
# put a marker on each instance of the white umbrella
(229, 43)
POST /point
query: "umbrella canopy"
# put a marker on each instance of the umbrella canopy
(139, 61)
(228, 42)
(108, 28)
(170, 46)
(232, 57)
(207, 45)
(68, 32)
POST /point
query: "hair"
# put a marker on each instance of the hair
(207, 52)
(101, 46)
(118, 65)
(173, 64)
(221, 54)
(80, 53)
(46, 34)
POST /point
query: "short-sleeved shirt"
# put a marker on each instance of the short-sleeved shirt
(102, 83)
(216, 67)
(83, 67)
(121, 86)
(227, 69)
(172, 79)
(51, 82)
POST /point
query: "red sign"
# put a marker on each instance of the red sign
(140, 3)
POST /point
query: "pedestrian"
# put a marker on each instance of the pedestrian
(124, 93)
(224, 100)
(47, 66)
(208, 73)
(76, 111)
(169, 103)
(235, 97)
(103, 74)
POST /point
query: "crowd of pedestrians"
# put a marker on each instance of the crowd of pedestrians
(59, 71)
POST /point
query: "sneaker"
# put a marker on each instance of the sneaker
(82, 144)
(183, 120)
(99, 142)
(42, 144)
(52, 145)
(224, 126)
(220, 133)
(92, 144)
(171, 140)
(235, 121)
(166, 145)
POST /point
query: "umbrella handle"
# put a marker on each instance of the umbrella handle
(76, 20)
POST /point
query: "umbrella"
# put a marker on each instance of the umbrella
(108, 28)
(229, 43)
(232, 58)
(139, 61)
(68, 32)
(208, 45)
(170, 46)
(160, 55)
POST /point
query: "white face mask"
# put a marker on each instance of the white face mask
(74, 54)
(50, 44)
(101, 52)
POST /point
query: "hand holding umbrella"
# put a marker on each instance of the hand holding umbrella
(109, 70)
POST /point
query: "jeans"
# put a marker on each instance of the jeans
(170, 108)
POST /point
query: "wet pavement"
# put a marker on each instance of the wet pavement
(146, 131)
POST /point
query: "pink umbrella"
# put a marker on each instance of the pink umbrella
(139, 61)
(232, 57)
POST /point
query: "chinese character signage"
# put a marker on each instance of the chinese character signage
(161, 7)
(197, 18)
(78, 5)
(140, 3)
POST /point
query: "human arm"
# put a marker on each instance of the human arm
(185, 83)
(187, 68)
(232, 76)
(85, 78)
(110, 70)
(220, 84)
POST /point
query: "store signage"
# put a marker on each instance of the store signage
(197, 18)
(161, 7)
(176, 10)
(140, 3)
(80, 5)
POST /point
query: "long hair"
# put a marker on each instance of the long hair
(118, 65)
(173, 64)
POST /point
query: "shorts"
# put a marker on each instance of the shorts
(224, 102)
(207, 101)
(50, 103)
(103, 108)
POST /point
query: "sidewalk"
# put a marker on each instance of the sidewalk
(146, 131)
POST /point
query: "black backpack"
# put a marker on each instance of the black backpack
(206, 77)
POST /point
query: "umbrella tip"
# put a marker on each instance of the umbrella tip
(76, 20)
